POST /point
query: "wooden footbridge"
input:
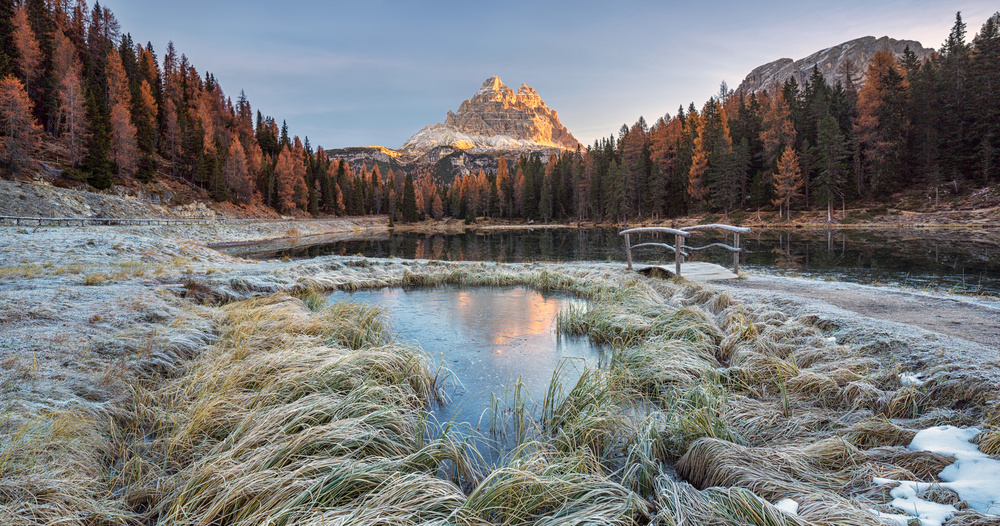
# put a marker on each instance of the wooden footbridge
(694, 271)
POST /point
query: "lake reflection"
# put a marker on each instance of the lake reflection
(961, 260)
(489, 338)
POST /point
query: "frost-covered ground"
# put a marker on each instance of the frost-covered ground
(960, 332)
(86, 311)
(80, 305)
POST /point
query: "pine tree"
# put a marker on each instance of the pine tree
(505, 188)
(956, 147)
(18, 129)
(831, 156)
(7, 45)
(984, 80)
(437, 207)
(696, 188)
(408, 208)
(777, 131)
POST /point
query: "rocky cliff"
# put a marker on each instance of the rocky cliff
(495, 118)
(835, 63)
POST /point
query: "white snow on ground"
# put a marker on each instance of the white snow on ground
(788, 506)
(905, 499)
(911, 379)
(974, 475)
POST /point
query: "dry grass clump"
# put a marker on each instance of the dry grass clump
(97, 278)
(771, 473)
(533, 489)
(682, 504)
(51, 470)
(878, 431)
(288, 416)
(989, 442)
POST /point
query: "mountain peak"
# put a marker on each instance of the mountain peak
(833, 62)
(493, 84)
(496, 118)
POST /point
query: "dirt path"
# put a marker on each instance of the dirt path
(892, 311)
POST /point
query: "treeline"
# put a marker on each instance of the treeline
(909, 124)
(111, 111)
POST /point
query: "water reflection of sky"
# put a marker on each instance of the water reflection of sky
(488, 337)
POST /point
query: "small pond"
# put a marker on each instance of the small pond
(489, 338)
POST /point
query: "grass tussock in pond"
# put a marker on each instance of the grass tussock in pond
(705, 411)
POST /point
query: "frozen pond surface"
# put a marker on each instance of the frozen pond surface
(489, 338)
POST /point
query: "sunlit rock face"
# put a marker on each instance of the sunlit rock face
(496, 118)
(833, 62)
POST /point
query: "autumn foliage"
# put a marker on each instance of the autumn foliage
(115, 113)
(18, 131)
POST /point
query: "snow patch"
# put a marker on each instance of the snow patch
(912, 379)
(973, 476)
(788, 506)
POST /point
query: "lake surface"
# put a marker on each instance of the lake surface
(959, 260)
(490, 339)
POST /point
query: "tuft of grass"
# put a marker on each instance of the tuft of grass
(98, 278)
(314, 300)
(989, 442)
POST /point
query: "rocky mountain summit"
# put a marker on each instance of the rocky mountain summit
(835, 63)
(495, 118)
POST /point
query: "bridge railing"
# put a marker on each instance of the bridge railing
(680, 235)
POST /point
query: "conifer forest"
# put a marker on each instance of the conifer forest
(81, 94)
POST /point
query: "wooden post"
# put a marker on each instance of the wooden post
(736, 255)
(628, 252)
(678, 257)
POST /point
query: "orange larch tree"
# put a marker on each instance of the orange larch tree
(881, 123)
(72, 117)
(778, 130)
(29, 53)
(240, 186)
(290, 183)
(19, 133)
(787, 180)
(124, 146)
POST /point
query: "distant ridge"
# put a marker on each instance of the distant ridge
(833, 62)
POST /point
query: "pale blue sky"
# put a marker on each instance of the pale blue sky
(375, 72)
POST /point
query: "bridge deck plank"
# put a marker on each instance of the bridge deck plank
(697, 271)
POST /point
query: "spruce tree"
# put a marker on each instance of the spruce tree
(831, 158)
(409, 205)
